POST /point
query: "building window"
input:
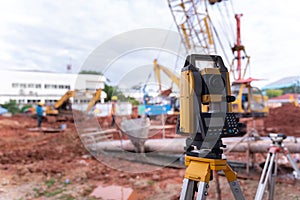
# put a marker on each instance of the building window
(38, 86)
(50, 101)
(22, 85)
(47, 86)
(21, 101)
(30, 85)
(15, 85)
(30, 101)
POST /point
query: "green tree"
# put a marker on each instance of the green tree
(109, 90)
(11, 106)
(133, 101)
(115, 91)
(274, 93)
(90, 72)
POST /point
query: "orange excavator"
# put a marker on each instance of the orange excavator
(62, 109)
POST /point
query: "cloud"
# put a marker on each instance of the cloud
(48, 35)
(63, 31)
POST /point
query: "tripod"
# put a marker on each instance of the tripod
(269, 172)
(199, 173)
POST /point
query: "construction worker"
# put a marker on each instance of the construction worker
(113, 110)
(39, 112)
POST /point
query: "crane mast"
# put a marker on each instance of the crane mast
(238, 44)
(197, 33)
(238, 48)
(192, 20)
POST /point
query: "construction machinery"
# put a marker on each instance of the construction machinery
(154, 106)
(175, 79)
(249, 100)
(96, 98)
(62, 109)
(64, 103)
(199, 34)
(163, 103)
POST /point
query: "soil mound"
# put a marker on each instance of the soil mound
(285, 119)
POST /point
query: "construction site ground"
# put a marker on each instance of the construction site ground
(56, 165)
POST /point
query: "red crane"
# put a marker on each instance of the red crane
(199, 34)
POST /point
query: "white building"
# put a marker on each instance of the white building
(33, 86)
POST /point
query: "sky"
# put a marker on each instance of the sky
(49, 35)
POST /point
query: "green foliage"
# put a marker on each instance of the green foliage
(67, 197)
(109, 91)
(25, 108)
(115, 91)
(11, 106)
(150, 182)
(133, 101)
(274, 93)
(291, 89)
(53, 189)
(54, 192)
(50, 182)
(38, 192)
(90, 72)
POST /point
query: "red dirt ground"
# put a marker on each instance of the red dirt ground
(35, 165)
(285, 119)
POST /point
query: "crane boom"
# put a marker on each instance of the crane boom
(197, 34)
(192, 20)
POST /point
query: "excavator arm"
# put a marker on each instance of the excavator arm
(64, 98)
(93, 101)
(170, 74)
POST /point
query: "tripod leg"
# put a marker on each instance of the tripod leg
(187, 192)
(287, 154)
(265, 176)
(233, 183)
(272, 181)
(202, 191)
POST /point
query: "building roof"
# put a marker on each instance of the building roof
(287, 96)
(33, 70)
(284, 82)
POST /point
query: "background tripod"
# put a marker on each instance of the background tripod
(269, 172)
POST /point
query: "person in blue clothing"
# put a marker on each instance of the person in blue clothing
(39, 113)
(245, 102)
